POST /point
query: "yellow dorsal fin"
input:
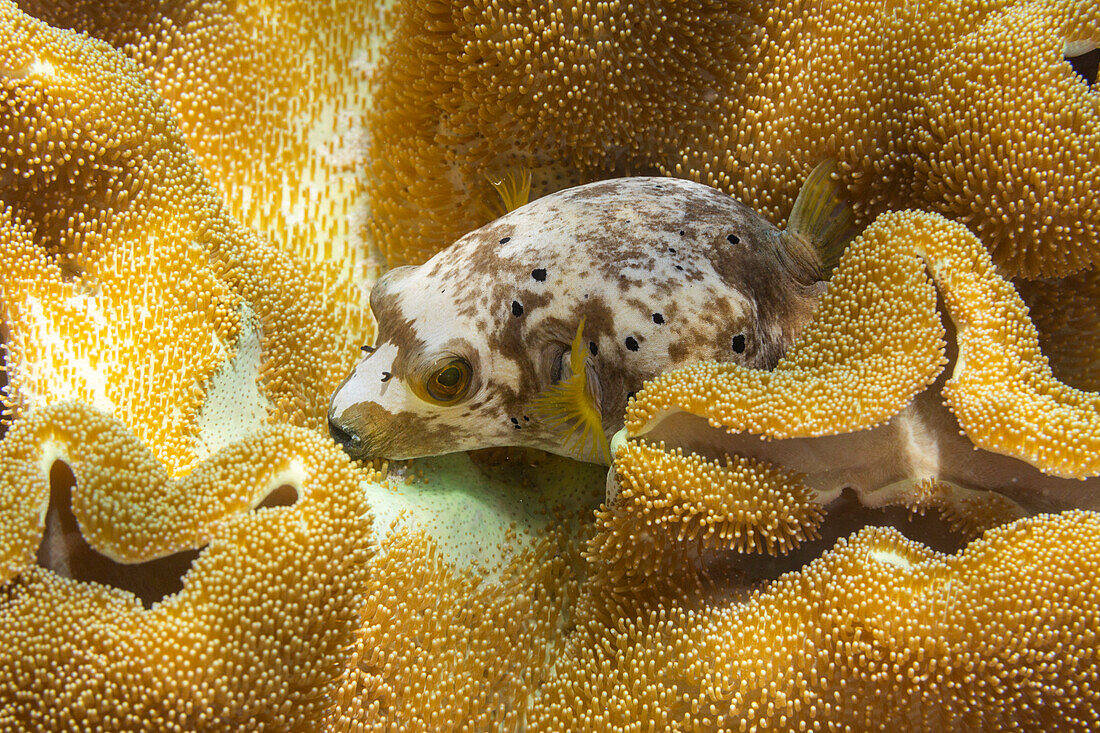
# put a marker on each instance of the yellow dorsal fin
(821, 223)
(513, 188)
(569, 408)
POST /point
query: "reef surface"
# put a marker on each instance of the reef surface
(194, 200)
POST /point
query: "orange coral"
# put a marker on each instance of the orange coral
(879, 633)
(256, 635)
(123, 282)
(964, 106)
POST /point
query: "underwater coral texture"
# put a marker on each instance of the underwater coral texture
(964, 107)
(194, 199)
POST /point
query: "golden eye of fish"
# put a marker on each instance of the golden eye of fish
(449, 382)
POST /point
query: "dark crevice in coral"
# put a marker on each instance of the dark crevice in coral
(1086, 65)
(285, 495)
(65, 551)
(5, 397)
(846, 517)
(1065, 326)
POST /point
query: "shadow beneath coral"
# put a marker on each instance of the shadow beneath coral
(281, 496)
(1086, 65)
(846, 517)
(65, 552)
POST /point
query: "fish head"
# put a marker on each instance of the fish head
(443, 376)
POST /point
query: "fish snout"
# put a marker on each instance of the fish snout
(347, 439)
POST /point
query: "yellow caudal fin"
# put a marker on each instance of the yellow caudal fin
(821, 223)
(570, 409)
(513, 188)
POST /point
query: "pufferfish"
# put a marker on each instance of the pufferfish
(536, 329)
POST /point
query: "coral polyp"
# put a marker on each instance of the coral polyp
(195, 199)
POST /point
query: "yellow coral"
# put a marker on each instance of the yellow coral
(123, 282)
(967, 515)
(468, 90)
(438, 649)
(960, 106)
(261, 627)
(963, 106)
(95, 248)
(470, 591)
(256, 635)
(879, 633)
(668, 498)
(875, 342)
(1011, 139)
(269, 97)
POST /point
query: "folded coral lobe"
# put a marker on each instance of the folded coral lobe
(149, 339)
(880, 633)
(859, 401)
(107, 292)
(124, 283)
(1011, 141)
(875, 342)
(254, 634)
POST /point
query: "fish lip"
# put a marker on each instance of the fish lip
(351, 443)
(357, 446)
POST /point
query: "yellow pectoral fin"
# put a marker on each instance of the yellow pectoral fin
(570, 409)
(821, 222)
(513, 188)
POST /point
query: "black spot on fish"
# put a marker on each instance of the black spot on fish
(631, 343)
(592, 348)
(526, 419)
(517, 309)
(658, 318)
(672, 249)
(679, 268)
(386, 376)
(539, 273)
(681, 232)
(739, 343)
(733, 239)
(506, 240)
(515, 423)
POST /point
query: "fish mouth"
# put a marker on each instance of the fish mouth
(366, 430)
(358, 446)
(347, 440)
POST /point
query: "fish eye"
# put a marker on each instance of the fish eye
(449, 382)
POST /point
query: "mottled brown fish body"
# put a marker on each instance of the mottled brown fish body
(664, 272)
